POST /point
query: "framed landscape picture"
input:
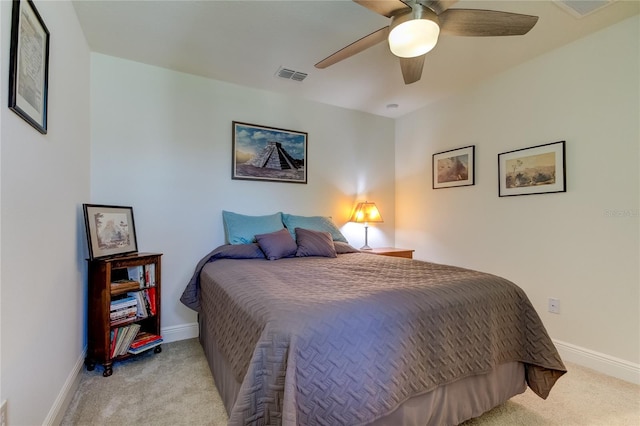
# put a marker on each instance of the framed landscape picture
(536, 170)
(454, 168)
(268, 153)
(111, 230)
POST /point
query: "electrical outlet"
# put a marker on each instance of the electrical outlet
(3, 413)
(554, 305)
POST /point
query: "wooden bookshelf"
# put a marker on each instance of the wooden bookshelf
(110, 282)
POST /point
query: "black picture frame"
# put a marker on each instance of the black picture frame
(539, 169)
(456, 167)
(111, 230)
(268, 153)
(29, 65)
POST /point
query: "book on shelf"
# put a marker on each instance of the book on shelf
(151, 298)
(143, 310)
(150, 275)
(144, 341)
(122, 286)
(124, 314)
(122, 321)
(123, 302)
(123, 337)
(112, 342)
(144, 338)
(136, 273)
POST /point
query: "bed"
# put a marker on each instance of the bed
(351, 338)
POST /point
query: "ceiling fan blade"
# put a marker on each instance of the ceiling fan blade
(386, 8)
(412, 68)
(438, 6)
(479, 23)
(355, 47)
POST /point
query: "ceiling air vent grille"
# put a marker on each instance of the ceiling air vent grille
(290, 74)
(581, 8)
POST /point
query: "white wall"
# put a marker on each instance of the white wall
(44, 180)
(565, 245)
(161, 142)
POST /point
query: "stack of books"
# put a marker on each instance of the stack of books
(143, 342)
(123, 310)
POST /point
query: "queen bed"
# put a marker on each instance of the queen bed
(334, 336)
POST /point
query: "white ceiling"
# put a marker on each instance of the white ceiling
(246, 42)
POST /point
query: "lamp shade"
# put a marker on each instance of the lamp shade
(366, 213)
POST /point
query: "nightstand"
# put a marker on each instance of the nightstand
(390, 251)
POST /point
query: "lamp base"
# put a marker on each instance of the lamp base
(366, 238)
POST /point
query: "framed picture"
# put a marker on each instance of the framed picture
(536, 170)
(454, 168)
(29, 65)
(268, 153)
(110, 230)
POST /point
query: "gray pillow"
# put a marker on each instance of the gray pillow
(343, 248)
(314, 243)
(277, 245)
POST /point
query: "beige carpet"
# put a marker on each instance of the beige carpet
(175, 387)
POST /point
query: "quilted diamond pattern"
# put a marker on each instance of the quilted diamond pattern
(344, 341)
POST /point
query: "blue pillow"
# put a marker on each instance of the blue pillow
(314, 243)
(315, 223)
(242, 229)
(276, 245)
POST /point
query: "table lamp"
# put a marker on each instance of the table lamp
(366, 213)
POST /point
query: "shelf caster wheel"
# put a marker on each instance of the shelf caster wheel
(157, 349)
(90, 365)
(108, 371)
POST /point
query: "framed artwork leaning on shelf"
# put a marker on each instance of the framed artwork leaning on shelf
(110, 230)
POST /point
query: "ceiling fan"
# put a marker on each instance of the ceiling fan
(416, 24)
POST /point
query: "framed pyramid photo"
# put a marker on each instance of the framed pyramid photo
(268, 153)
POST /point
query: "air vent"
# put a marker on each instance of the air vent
(290, 74)
(582, 8)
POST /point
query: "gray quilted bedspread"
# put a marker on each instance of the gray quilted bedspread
(344, 341)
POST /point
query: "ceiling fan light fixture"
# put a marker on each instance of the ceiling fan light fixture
(414, 33)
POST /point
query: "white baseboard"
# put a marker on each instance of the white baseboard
(603, 363)
(60, 405)
(180, 332)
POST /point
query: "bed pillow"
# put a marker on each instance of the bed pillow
(277, 245)
(314, 243)
(343, 248)
(242, 229)
(315, 223)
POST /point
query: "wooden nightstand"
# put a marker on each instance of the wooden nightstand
(390, 251)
